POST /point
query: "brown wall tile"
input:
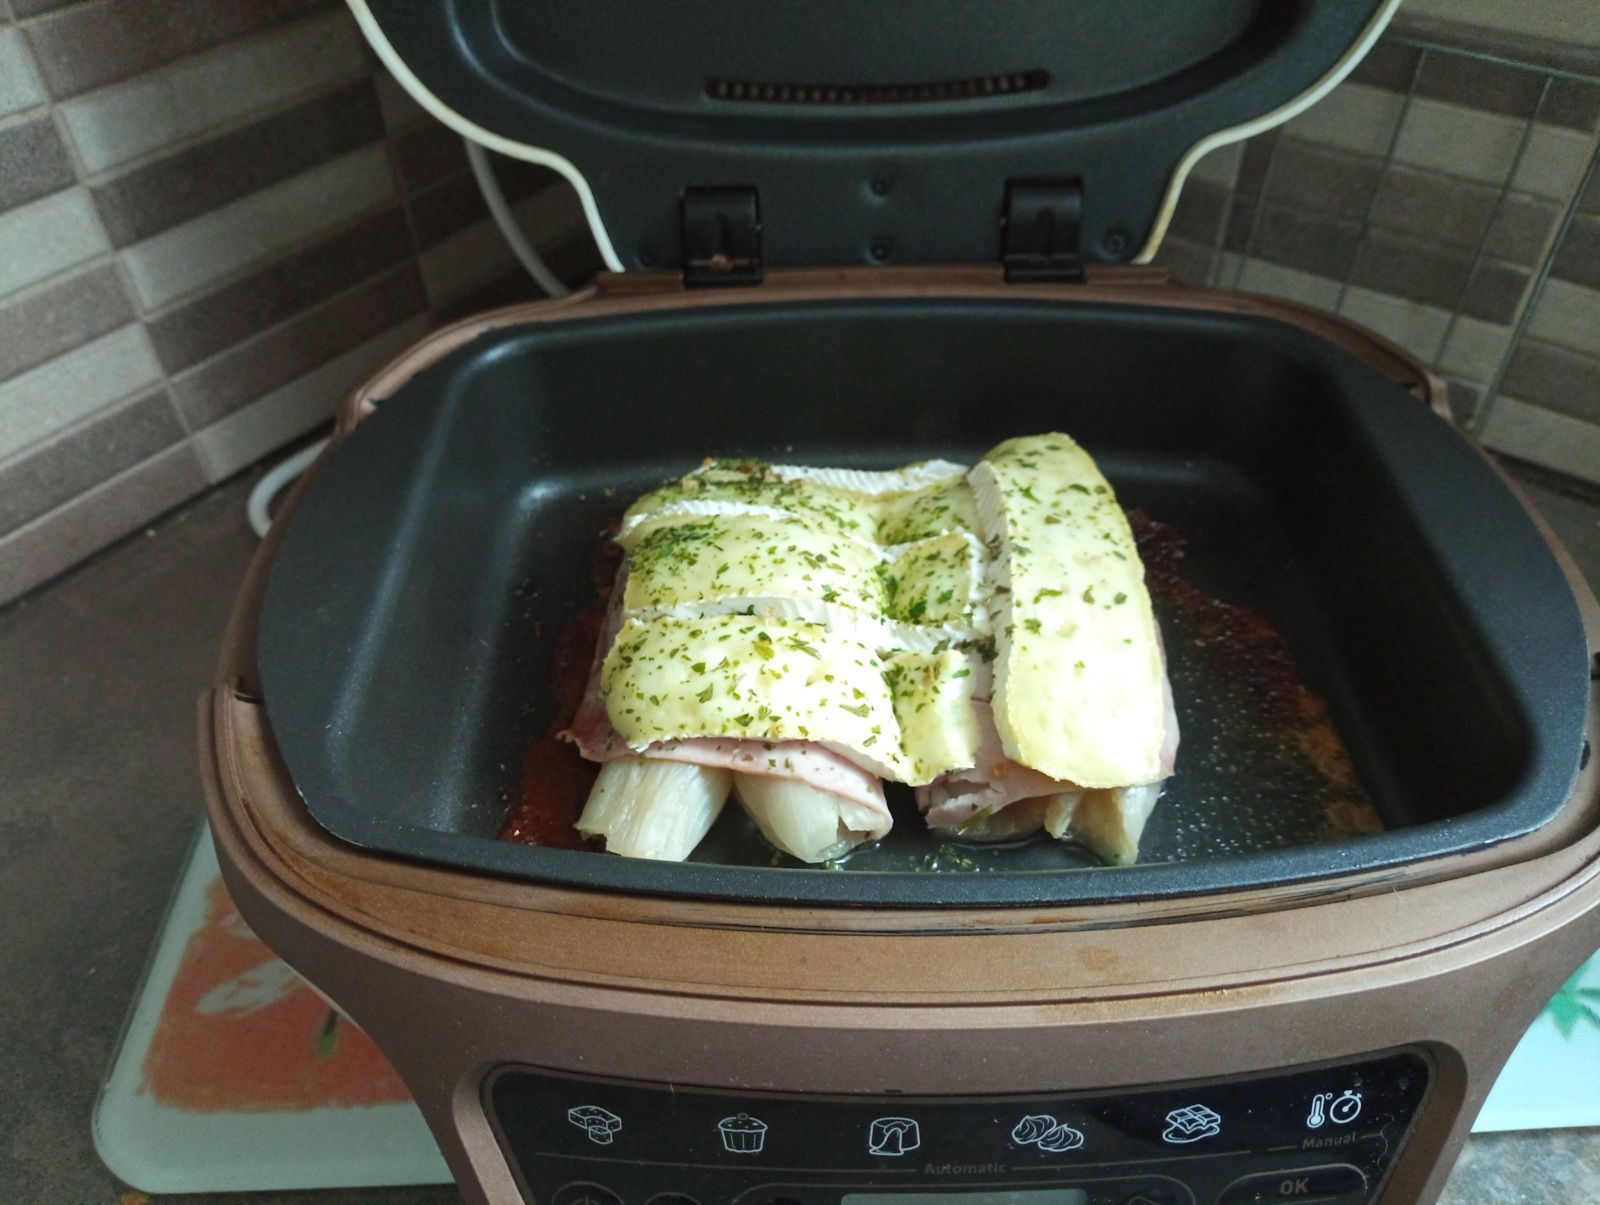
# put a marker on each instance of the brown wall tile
(1538, 52)
(1189, 263)
(1578, 258)
(1319, 245)
(1463, 397)
(57, 319)
(1479, 84)
(1589, 202)
(575, 259)
(312, 338)
(1201, 208)
(1319, 179)
(447, 208)
(45, 476)
(1388, 65)
(1521, 229)
(1411, 268)
(100, 43)
(1239, 223)
(34, 162)
(1429, 205)
(1495, 292)
(1554, 377)
(56, 541)
(204, 326)
(428, 154)
(32, 8)
(202, 177)
(1253, 162)
(1572, 103)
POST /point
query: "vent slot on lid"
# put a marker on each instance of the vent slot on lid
(976, 87)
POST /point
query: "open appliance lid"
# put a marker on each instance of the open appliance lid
(888, 132)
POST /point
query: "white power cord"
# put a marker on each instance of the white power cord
(489, 186)
(258, 508)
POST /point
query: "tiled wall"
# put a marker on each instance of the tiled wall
(1445, 195)
(215, 217)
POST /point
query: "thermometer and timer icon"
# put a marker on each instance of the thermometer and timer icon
(1340, 1110)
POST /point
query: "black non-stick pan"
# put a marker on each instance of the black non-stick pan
(409, 613)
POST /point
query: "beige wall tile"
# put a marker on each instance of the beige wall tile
(56, 541)
(1414, 326)
(1353, 117)
(480, 252)
(1475, 349)
(1568, 314)
(61, 391)
(244, 437)
(48, 236)
(1554, 161)
(1221, 166)
(19, 85)
(249, 231)
(400, 112)
(127, 120)
(1562, 20)
(1459, 141)
(1260, 276)
(1557, 441)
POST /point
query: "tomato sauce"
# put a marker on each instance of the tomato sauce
(556, 780)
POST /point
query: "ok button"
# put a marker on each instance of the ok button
(1335, 1182)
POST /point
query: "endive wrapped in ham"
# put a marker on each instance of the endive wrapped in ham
(797, 636)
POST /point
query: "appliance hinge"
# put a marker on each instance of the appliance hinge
(721, 237)
(1039, 237)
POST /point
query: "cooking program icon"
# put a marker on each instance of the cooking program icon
(893, 1136)
(1046, 1133)
(1192, 1123)
(600, 1124)
(742, 1134)
(1341, 1109)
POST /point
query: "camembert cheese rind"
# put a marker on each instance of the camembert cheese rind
(1078, 670)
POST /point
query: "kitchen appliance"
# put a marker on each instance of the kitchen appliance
(579, 1027)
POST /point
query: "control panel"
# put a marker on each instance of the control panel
(1325, 1133)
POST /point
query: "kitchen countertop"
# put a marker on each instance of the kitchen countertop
(99, 795)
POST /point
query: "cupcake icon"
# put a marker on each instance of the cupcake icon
(743, 1134)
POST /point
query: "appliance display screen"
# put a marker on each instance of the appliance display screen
(1326, 1132)
(1023, 1196)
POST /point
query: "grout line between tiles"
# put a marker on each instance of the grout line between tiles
(105, 175)
(1491, 393)
(298, 316)
(1488, 228)
(1421, 42)
(84, 421)
(278, 255)
(59, 277)
(1255, 215)
(1384, 166)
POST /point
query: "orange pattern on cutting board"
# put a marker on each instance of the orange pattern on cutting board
(241, 1032)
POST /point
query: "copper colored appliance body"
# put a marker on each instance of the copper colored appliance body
(461, 976)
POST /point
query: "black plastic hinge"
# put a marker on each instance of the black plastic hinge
(721, 237)
(1039, 235)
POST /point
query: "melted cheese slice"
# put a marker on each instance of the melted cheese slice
(703, 560)
(1077, 690)
(775, 679)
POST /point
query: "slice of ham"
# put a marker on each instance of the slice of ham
(802, 761)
